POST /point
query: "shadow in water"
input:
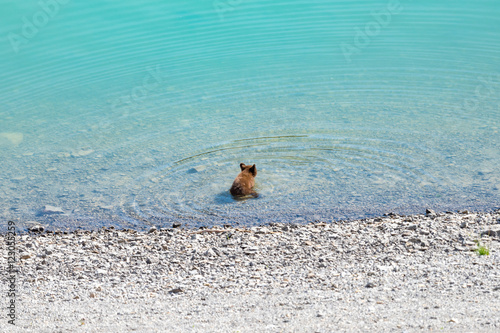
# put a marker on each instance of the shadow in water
(225, 197)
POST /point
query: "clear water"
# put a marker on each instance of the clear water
(138, 113)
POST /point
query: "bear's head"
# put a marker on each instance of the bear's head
(252, 169)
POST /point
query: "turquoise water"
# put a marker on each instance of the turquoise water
(133, 113)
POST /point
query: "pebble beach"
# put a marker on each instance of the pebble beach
(427, 272)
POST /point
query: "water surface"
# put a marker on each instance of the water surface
(134, 113)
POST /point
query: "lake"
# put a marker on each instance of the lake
(132, 114)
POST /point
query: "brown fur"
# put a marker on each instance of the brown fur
(245, 181)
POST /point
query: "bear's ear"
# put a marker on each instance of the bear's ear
(253, 170)
(242, 166)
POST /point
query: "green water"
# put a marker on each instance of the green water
(134, 113)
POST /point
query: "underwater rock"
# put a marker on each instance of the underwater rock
(196, 169)
(81, 153)
(14, 138)
(47, 209)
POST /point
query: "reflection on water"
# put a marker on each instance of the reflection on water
(133, 114)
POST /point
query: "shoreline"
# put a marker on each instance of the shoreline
(391, 273)
(27, 226)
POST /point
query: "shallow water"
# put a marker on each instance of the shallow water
(134, 113)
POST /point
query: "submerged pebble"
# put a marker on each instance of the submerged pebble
(48, 209)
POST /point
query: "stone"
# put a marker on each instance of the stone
(37, 228)
(13, 138)
(430, 212)
(262, 231)
(176, 225)
(18, 178)
(209, 253)
(82, 153)
(152, 229)
(176, 291)
(197, 169)
(370, 285)
(48, 209)
(492, 231)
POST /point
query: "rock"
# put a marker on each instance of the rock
(37, 228)
(464, 224)
(47, 209)
(92, 295)
(18, 178)
(492, 231)
(430, 212)
(198, 168)
(24, 256)
(152, 229)
(370, 285)
(262, 231)
(209, 253)
(176, 291)
(251, 250)
(412, 227)
(14, 138)
(176, 225)
(81, 153)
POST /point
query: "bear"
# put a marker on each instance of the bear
(244, 182)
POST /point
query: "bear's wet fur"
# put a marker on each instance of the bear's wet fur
(244, 182)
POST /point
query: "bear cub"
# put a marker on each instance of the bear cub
(244, 182)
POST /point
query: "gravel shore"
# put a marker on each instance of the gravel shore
(393, 273)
